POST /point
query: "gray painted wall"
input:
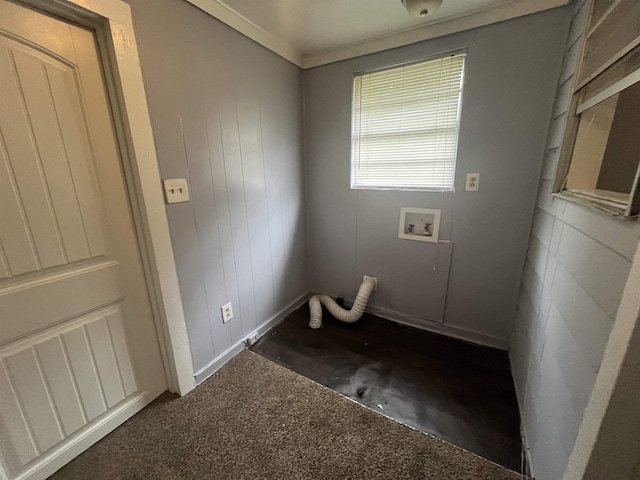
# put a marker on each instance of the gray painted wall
(226, 114)
(576, 268)
(511, 74)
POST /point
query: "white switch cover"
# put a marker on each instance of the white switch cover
(176, 190)
(227, 312)
(473, 182)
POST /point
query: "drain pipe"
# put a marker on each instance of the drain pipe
(369, 284)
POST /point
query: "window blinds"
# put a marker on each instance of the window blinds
(405, 125)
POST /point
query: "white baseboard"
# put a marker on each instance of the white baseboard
(526, 450)
(437, 327)
(205, 372)
(77, 443)
(523, 432)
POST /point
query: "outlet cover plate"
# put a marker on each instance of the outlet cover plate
(473, 182)
(227, 312)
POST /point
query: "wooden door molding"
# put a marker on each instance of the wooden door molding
(113, 24)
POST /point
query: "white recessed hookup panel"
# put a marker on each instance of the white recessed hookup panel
(420, 224)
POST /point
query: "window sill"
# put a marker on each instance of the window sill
(406, 189)
(617, 212)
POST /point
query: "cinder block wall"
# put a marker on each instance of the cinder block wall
(576, 268)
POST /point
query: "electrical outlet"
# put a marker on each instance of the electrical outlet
(473, 182)
(176, 190)
(227, 312)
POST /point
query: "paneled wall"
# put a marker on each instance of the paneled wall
(577, 265)
(227, 115)
(510, 79)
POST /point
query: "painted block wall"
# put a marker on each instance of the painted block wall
(227, 115)
(510, 81)
(576, 267)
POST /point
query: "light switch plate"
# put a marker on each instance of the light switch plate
(176, 190)
(473, 182)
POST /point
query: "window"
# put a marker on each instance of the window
(405, 125)
(600, 160)
(606, 153)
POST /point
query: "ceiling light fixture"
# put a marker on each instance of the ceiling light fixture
(421, 8)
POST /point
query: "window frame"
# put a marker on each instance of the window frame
(584, 98)
(406, 63)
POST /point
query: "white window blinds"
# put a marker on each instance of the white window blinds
(405, 125)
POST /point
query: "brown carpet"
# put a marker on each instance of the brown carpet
(254, 419)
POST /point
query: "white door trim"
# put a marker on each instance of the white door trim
(113, 24)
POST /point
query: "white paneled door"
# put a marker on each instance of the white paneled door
(79, 351)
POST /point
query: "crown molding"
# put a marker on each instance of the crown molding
(227, 15)
(434, 30)
(242, 24)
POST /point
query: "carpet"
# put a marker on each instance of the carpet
(254, 419)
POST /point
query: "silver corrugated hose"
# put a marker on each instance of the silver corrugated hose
(349, 316)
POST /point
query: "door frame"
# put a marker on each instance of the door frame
(112, 22)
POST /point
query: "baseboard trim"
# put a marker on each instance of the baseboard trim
(80, 441)
(436, 327)
(528, 473)
(523, 432)
(208, 370)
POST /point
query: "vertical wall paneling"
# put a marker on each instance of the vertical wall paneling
(224, 265)
(292, 180)
(220, 258)
(241, 238)
(199, 164)
(172, 118)
(272, 151)
(248, 109)
(283, 175)
(576, 267)
(232, 155)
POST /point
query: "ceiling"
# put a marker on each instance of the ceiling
(315, 32)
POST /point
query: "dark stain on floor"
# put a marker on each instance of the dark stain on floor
(256, 420)
(460, 392)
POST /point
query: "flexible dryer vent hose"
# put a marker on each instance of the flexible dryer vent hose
(349, 316)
